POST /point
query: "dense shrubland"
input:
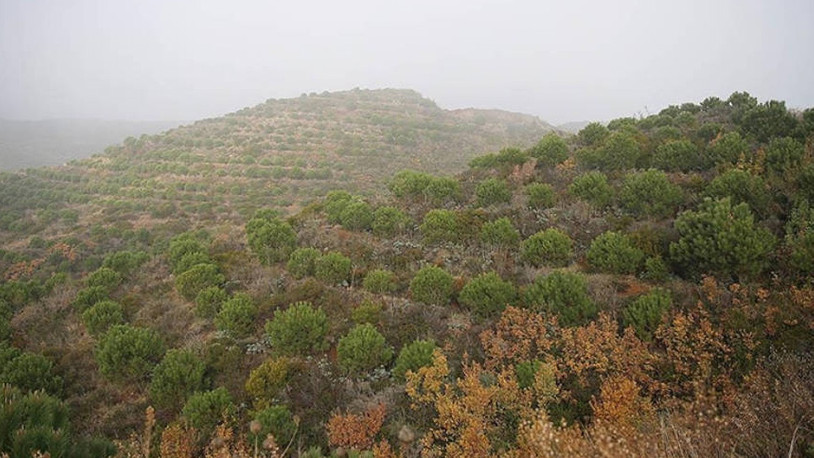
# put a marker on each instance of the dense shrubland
(643, 288)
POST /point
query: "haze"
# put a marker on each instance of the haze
(562, 61)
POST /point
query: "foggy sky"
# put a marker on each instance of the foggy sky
(563, 61)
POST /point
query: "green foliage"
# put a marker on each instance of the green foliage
(800, 239)
(440, 226)
(526, 371)
(31, 372)
(209, 301)
(783, 154)
(299, 329)
(356, 216)
(564, 294)
(769, 120)
(379, 281)
(614, 252)
(540, 195)
(302, 262)
(412, 357)
(277, 421)
(741, 186)
(493, 191)
(550, 150)
(185, 245)
(487, 295)
(176, 377)
(728, 148)
(101, 316)
(190, 260)
(645, 313)
(86, 297)
(499, 233)
(237, 315)
(267, 380)
(128, 354)
(125, 262)
(389, 221)
(722, 239)
(432, 285)
(593, 188)
(104, 277)
(204, 410)
(335, 203)
(593, 134)
(412, 184)
(32, 422)
(655, 269)
(678, 155)
(505, 157)
(332, 268)
(363, 349)
(621, 150)
(201, 276)
(272, 240)
(551, 247)
(366, 312)
(649, 193)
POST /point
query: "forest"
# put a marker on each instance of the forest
(356, 274)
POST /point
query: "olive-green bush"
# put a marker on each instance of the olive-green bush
(237, 315)
(649, 193)
(180, 374)
(332, 268)
(593, 188)
(540, 195)
(645, 313)
(550, 150)
(432, 285)
(298, 330)
(551, 247)
(209, 301)
(128, 354)
(499, 233)
(413, 356)
(363, 349)
(379, 281)
(101, 316)
(487, 295)
(201, 276)
(492, 191)
(613, 252)
(302, 262)
(564, 294)
(440, 226)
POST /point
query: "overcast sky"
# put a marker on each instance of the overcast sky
(563, 61)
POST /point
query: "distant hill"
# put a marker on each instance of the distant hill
(280, 153)
(57, 141)
(573, 126)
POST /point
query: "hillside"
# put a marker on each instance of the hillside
(643, 288)
(26, 144)
(281, 153)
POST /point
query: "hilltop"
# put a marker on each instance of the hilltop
(281, 153)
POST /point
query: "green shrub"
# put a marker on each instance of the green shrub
(389, 221)
(412, 184)
(526, 371)
(799, 239)
(613, 252)
(104, 277)
(182, 246)
(30, 372)
(363, 349)
(550, 247)
(128, 354)
(302, 262)
(541, 195)
(783, 154)
(356, 216)
(272, 240)
(176, 377)
(728, 148)
(564, 294)
(366, 312)
(205, 410)
(125, 262)
(741, 186)
(655, 270)
(33, 422)
(593, 134)
(379, 281)
(101, 316)
(237, 315)
(413, 357)
(499, 233)
(442, 189)
(492, 191)
(267, 380)
(620, 150)
(645, 313)
(649, 193)
(189, 260)
(87, 297)
(209, 301)
(722, 239)
(550, 150)
(487, 295)
(190, 283)
(334, 205)
(440, 226)
(432, 285)
(679, 155)
(297, 330)
(593, 188)
(277, 421)
(332, 268)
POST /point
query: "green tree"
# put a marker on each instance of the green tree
(302, 262)
(413, 357)
(101, 316)
(621, 150)
(380, 281)
(31, 372)
(356, 216)
(593, 134)
(649, 193)
(176, 377)
(487, 295)
(272, 240)
(32, 422)
(593, 188)
(678, 155)
(389, 221)
(269, 379)
(363, 349)
(432, 285)
(277, 421)
(645, 313)
(209, 301)
(128, 354)
(614, 252)
(104, 277)
(540, 195)
(190, 283)
(551, 247)
(783, 154)
(564, 294)
(499, 233)
(299, 329)
(550, 150)
(87, 297)
(728, 148)
(440, 226)
(493, 191)
(741, 186)
(799, 239)
(769, 120)
(722, 239)
(204, 410)
(335, 203)
(332, 268)
(237, 315)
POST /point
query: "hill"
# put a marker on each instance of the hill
(26, 144)
(643, 288)
(280, 153)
